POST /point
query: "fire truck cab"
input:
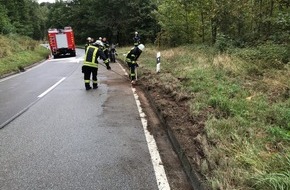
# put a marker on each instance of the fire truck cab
(61, 42)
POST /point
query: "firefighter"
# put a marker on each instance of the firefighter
(88, 42)
(113, 53)
(136, 39)
(131, 60)
(106, 46)
(90, 66)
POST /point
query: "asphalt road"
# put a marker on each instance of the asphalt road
(57, 135)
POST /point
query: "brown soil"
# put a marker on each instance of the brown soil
(171, 105)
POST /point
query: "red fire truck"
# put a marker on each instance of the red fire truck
(61, 42)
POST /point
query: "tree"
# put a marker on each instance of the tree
(115, 19)
(23, 17)
(5, 23)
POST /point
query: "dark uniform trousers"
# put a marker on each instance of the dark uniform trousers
(90, 67)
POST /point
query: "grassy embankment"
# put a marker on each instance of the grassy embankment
(18, 52)
(245, 97)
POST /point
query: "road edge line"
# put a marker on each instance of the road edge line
(160, 174)
(157, 163)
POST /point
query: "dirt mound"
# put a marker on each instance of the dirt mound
(172, 104)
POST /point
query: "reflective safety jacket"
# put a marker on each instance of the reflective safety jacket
(92, 54)
(87, 44)
(133, 55)
(106, 45)
(136, 40)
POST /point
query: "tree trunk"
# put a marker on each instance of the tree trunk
(213, 30)
(269, 24)
(202, 26)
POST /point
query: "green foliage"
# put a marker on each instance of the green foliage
(274, 180)
(245, 22)
(177, 19)
(167, 22)
(278, 134)
(279, 115)
(18, 52)
(23, 17)
(115, 19)
(262, 58)
(5, 24)
(223, 43)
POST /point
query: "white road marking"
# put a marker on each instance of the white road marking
(160, 174)
(123, 70)
(51, 88)
(64, 59)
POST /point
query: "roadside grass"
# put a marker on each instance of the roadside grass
(18, 52)
(244, 96)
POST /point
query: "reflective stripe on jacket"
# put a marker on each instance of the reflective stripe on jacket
(91, 59)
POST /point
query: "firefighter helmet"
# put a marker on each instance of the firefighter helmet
(136, 33)
(141, 47)
(99, 43)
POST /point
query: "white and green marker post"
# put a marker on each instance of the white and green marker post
(158, 62)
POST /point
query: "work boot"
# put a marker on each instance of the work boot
(88, 87)
(133, 82)
(95, 86)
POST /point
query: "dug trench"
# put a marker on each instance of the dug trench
(180, 138)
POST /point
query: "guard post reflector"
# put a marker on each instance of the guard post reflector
(158, 62)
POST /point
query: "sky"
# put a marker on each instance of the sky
(50, 1)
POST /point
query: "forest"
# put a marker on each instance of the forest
(170, 23)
